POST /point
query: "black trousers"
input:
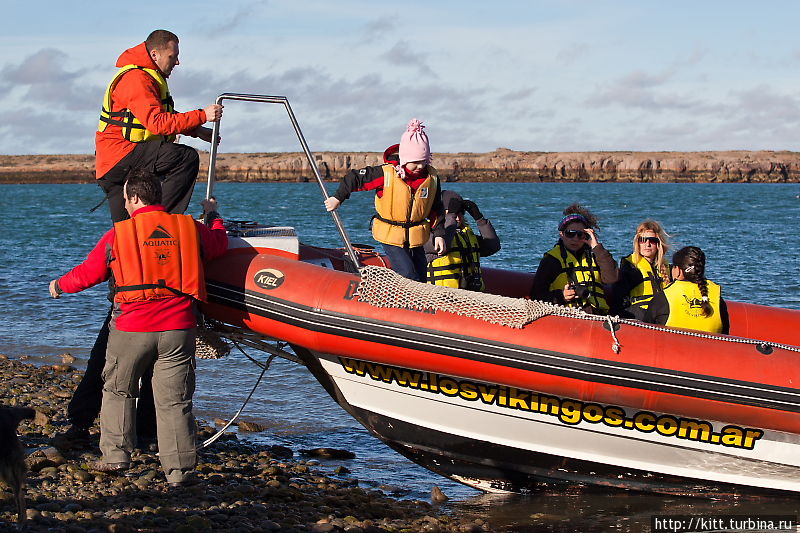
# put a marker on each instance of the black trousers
(175, 164)
(84, 407)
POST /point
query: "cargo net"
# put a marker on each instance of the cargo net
(382, 287)
(208, 343)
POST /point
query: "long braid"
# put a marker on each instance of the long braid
(692, 261)
(703, 285)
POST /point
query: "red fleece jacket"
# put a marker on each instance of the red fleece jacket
(151, 315)
(138, 91)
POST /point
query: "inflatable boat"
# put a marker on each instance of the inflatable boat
(505, 394)
(468, 386)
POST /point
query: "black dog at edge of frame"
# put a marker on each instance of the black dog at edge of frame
(12, 455)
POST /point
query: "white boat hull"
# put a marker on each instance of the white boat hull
(497, 446)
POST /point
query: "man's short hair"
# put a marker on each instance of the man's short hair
(159, 39)
(144, 184)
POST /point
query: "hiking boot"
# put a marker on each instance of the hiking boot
(177, 479)
(73, 437)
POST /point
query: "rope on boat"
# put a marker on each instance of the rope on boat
(616, 347)
(726, 338)
(210, 342)
(218, 434)
(382, 287)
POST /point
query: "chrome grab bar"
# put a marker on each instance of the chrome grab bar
(212, 172)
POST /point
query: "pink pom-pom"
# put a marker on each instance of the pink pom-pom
(415, 125)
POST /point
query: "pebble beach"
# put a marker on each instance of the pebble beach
(238, 485)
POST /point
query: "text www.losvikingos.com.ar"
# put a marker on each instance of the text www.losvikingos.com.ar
(567, 411)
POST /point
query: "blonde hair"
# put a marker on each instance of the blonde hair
(660, 263)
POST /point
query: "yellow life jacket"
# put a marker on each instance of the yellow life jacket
(402, 218)
(156, 255)
(584, 272)
(685, 306)
(460, 267)
(651, 283)
(132, 129)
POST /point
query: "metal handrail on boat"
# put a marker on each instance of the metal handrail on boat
(212, 173)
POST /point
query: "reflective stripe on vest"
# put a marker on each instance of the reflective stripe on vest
(461, 262)
(641, 294)
(156, 255)
(685, 306)
(402, 218)
(132, 129)
(583, 271)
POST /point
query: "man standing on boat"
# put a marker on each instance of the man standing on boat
(137, 130)
(155, 261)
(138, 125)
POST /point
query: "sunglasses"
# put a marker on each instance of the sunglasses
(575, 233)
(652, 240)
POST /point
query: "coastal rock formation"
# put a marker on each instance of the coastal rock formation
(46, 168)
(500, 165)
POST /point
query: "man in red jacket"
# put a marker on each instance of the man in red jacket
(136, 131)
(155, 262)
(138, 125)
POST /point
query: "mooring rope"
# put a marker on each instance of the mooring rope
(382, 287)
(264, 368)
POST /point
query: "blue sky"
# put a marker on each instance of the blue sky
(526, 75)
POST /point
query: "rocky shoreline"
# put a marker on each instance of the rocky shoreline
(240, 486)
(502, 165)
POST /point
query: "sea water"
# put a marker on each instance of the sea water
(750, 233)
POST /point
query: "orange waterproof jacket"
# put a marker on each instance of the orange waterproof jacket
(138, 91)
(157, 255)
(149, 315)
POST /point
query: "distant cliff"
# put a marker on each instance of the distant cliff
(500, 165)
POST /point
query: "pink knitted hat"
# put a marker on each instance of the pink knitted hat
(414, 144)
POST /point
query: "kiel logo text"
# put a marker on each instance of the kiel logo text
(269, 278)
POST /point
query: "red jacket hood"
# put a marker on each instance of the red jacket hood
(136, 56)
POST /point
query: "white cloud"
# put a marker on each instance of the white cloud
(572, 53)
(27, 129)
(225, 24)
(403, 55)
(42, 79)
(340, 113)
(560, 75)
(646, 91)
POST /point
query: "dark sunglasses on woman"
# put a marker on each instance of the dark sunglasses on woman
(573, 233)
(651, 240)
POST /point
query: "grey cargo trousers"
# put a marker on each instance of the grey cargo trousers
(128, 356)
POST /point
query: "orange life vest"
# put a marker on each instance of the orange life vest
(402, 215)
(157, 255)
